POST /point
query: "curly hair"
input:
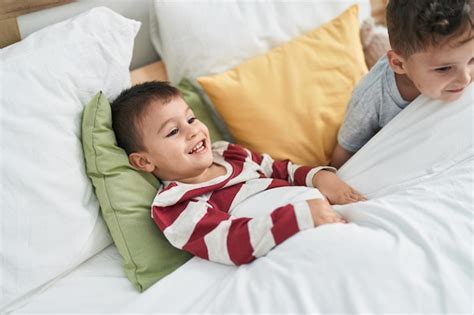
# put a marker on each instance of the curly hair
(131, 105)
(415, 25)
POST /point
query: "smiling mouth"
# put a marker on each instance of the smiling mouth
(456, 90)
(201, 146)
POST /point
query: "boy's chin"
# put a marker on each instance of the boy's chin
(207, 163)
(446, 96)
(451, 97)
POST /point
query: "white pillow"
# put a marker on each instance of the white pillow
(205, 37)
(49, 214)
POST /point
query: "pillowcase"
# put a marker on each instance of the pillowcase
(290, 102)
(196, 38)
(125, 194)
(50, 219)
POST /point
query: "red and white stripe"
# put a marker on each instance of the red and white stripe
(197, 218)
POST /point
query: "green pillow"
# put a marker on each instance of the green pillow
(125, 194)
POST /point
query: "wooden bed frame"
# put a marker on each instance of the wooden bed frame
(153, 72)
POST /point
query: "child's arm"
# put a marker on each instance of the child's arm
(361, 120)
(340, 156)
(323, 178)
(297, 175)
(201, 228)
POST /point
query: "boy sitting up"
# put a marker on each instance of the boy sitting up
(432, 54)
(203, 184)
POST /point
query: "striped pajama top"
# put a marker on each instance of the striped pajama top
(198, 217)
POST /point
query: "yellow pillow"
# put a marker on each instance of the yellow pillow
(290, 102)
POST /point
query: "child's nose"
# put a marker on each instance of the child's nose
(192, 131)
(465, 76)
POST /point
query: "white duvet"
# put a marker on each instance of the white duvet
(408, 249)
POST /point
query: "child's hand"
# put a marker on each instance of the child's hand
(322, 212)
(336, 190)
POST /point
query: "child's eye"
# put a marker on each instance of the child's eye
(443, 69)
(172, 132)
(191, 120)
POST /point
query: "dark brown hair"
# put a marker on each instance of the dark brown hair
(415, 25)
(130, 106)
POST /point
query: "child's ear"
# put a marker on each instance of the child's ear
(396, 62)
(140, 161)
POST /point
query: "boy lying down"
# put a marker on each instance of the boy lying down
(202, 184)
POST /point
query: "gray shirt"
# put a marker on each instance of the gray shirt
(375, 101)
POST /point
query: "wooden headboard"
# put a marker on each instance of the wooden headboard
(378, 10)
(18, 21)
(9, 31)
(10, 9)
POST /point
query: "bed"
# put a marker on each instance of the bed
(74, 241)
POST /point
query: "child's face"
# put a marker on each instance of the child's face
(177, 145)
(442, 72)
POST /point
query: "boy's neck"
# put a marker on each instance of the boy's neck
(407, 89)
(211, 172)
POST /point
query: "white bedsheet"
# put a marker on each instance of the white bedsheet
(99, 285)
(409, 249)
